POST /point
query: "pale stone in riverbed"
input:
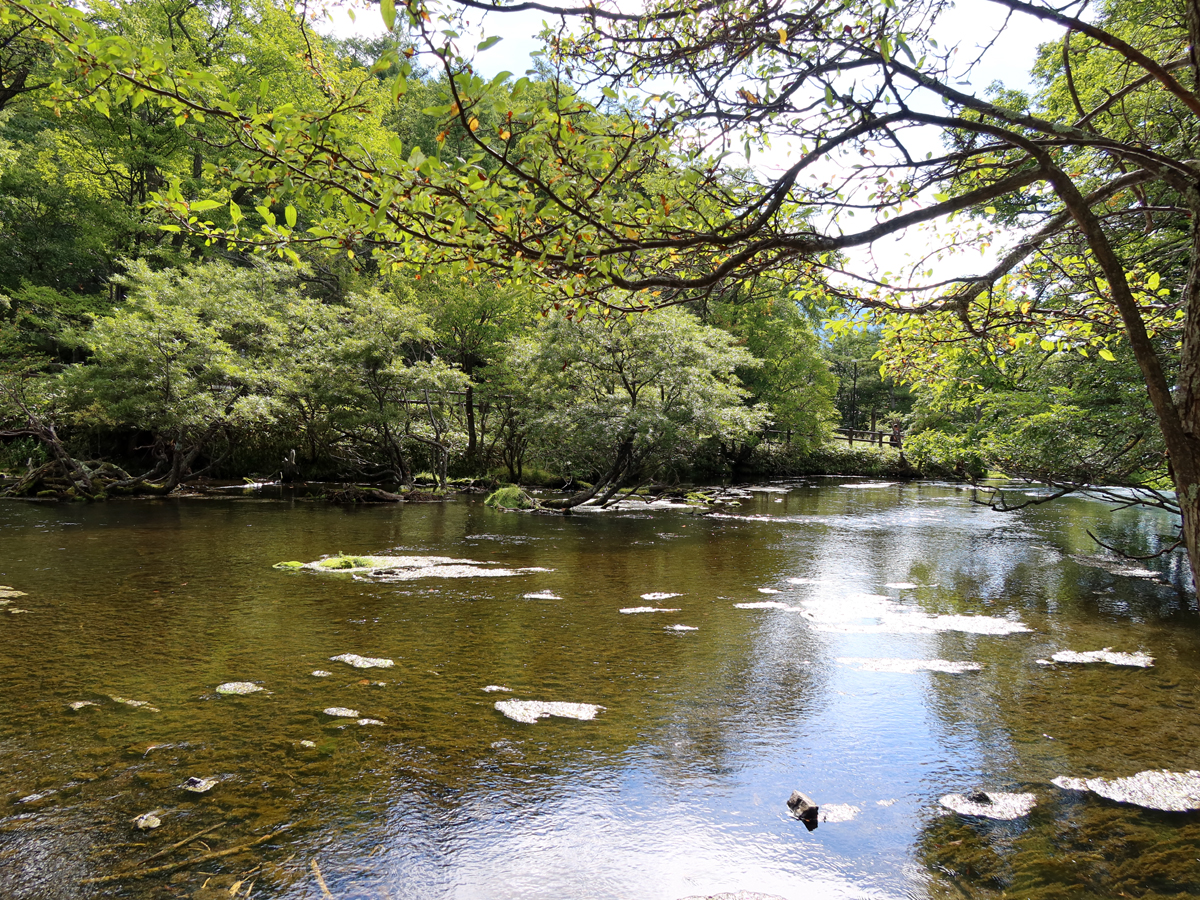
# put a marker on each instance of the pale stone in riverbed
(341, 711)
(681, 628)
(136, 704)
(407, 568)
(659, 595)
(362, 662)
(147, 821)
(239, 687)
(529, 711)
(493, 688)
(543, 595)
(997, 805)
(838, 812)
(1107, 655)
(1153, 789)
(199, 785)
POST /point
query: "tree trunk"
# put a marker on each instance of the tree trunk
(614, 476)
(472, 444)
(1177, 416)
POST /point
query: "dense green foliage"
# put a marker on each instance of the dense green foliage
(430, 215)
(127, 338)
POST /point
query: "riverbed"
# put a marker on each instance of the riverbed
(878, 646)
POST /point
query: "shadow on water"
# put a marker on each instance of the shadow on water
(815, 611)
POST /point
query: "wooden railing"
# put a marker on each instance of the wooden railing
(850, 435)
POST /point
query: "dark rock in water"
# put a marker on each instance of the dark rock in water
(804, 808)
(979, 797)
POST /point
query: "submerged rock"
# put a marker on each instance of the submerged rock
(9, 593)
(136, 704)
(659, 595)
(148, 821)
(370, 722)
(631, 610)
(320, 673)
(543, 595)
(681, 628)
(804, 808)
(341, 712)
(529, 711)
(1107, 655)
(199, 785)
(239, 687)
(81, 704)
(408, 568)
(910, 666)
(291, 564)
(310, 745)
(1153, 789)
(990, 804)
(493, 688)
(362, 662)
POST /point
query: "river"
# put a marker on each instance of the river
(806, 648)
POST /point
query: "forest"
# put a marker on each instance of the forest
(236, 248)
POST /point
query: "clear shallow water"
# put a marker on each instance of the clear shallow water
(677, 788)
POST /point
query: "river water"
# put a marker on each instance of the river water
(812, 613)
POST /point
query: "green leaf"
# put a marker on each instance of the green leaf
(204, 205)
(1046, 345)
(1107, 354)
(941, 198)
(388, 8)
(289, 216)
(235, 213)
(490, 42)
(1152, 281)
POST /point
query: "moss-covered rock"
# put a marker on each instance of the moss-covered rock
(510, 497)
(291, 564)
(346, 562)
